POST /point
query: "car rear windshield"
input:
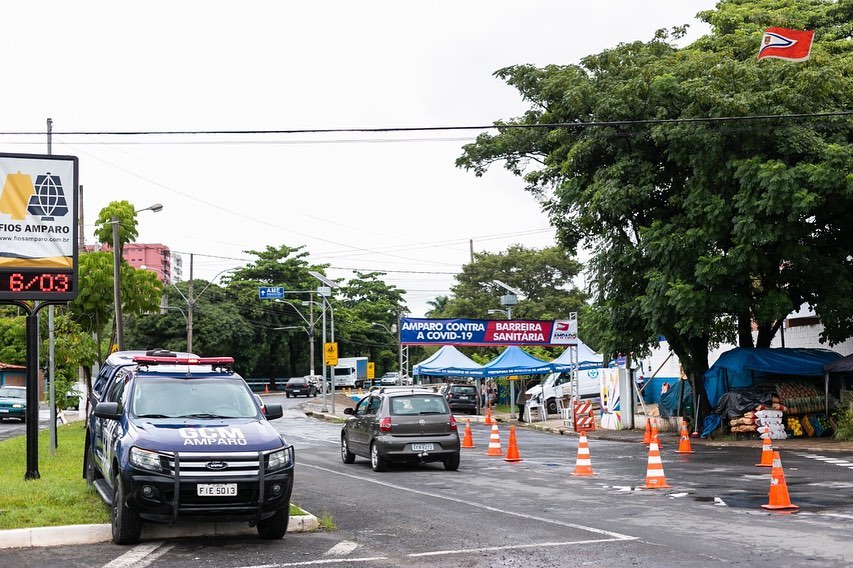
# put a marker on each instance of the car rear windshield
(297, 381)
(168, 397)
(463, 390)
(418, 404)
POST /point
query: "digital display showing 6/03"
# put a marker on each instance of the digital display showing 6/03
(36, 284)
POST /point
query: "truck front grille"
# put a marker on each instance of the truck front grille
(215, 465)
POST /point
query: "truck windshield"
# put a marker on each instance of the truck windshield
(344, 371)
(168, 397)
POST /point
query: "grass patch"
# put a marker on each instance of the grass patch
(60, 497)
(326, 522)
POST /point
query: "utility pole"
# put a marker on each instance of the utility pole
(190, 305)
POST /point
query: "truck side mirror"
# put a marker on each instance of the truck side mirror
(108, 410)
(274, 411)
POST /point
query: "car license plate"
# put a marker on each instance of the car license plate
(297, 390)
(463, 397)
(217, 489)
(422, 447)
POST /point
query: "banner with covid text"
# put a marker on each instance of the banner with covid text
(425, 331)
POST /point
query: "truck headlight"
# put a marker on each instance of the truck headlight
(144, 459)
(280, 459)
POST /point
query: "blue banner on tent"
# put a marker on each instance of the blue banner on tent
(424, 331)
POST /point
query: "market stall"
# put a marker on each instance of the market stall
(777, 389)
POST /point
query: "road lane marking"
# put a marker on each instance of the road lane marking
(341, 549)
(318, 562)
(140, 556)
(611, 534)
(511, 547)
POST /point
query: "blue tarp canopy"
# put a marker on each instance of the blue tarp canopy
(587, 359)
(515, 361)
(446, 362)
(740, 368)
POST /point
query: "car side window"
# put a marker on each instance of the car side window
(360, 407)
(116, 390)
(564, 378)
(373, 405)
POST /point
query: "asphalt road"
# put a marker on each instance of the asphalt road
(527, 514)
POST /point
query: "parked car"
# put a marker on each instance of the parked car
(461, 398)
(389, 379)
(13, 403)
(183, 438)
(401, 424)
(299, 386)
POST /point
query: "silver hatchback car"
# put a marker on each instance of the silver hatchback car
(401, 424)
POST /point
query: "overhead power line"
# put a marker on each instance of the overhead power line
(795, 116)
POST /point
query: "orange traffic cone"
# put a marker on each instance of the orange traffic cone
(266, 389)
(488, 419)
(494, 442)
(779, 498)
(583, 465)
(468, 439)
(684, 443)
(766, 451)
(655, 433)
(512, 447)
(647, 435)
(655, 478)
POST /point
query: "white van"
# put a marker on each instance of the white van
(557, 385)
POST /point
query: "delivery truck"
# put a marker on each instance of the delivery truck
(350, 372)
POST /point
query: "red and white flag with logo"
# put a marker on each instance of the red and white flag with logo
(782, 43)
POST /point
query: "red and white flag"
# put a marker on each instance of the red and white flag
(782, 43)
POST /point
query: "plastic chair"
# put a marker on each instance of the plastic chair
(538, 407)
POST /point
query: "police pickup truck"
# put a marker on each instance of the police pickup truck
(184, 438)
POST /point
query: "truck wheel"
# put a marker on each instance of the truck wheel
(377, 462)
(452, 463)
(126, 524)
(90, 472)
(552, 406)
(346, 455)
(274, 527)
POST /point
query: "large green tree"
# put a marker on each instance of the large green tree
(366, 313)
(698, 228)
(280, 333)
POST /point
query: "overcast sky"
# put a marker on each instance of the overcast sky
(386, 202)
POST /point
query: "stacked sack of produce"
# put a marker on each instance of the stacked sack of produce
(745, 423)
(770, 424)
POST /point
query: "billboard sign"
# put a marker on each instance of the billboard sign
(424, 331)
(38, 227)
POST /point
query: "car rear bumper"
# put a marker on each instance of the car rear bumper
(400, 448)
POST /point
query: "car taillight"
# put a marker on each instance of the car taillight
(452, 422)
(385, 424)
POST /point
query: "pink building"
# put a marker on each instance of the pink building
(155, 257)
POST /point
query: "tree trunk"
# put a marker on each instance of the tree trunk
(692, 353)
(744, 331)
(766, 332)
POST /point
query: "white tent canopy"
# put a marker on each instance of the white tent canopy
(446, 362)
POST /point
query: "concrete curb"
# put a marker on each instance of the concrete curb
(92, 534)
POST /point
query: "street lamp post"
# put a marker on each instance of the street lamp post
(189, 299)
(325, 291)
(117, 273)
